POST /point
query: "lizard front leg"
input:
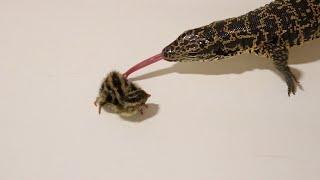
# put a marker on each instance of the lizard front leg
(279, 55)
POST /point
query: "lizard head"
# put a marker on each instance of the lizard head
(194, 45)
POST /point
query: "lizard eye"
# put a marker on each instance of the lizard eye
(202, 43)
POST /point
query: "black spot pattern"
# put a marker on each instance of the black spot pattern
(267, 31)
(286, 22)
(117, 84)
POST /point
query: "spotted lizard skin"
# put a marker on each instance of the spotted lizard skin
(268, 31)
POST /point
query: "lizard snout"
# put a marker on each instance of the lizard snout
(168, 53)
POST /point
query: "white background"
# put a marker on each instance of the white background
(230, 120)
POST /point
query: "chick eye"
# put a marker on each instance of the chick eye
(109, 98)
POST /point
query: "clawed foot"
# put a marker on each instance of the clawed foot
(99, 106)
(292, 84)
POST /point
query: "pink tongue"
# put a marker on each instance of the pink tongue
(143, 64)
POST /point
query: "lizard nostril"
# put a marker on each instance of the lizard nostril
(167, 52)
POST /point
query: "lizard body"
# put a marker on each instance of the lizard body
(267, 31)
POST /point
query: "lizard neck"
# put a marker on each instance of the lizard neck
(234, 35)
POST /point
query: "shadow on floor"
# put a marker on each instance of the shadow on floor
(150, 112)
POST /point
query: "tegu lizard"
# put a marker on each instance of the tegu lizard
(268, 31)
